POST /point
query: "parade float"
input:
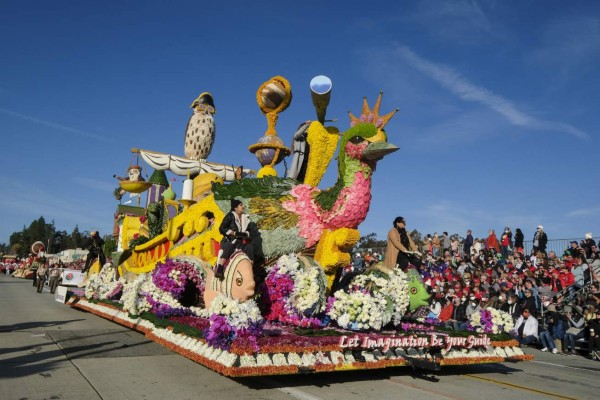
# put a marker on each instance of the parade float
(282, 312)
(26, 268)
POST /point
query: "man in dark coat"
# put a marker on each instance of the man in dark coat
(95, 251)
(540, 240)
(468, 244)
(236, 235)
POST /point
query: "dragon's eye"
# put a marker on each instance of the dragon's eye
(239, 279)
(356, 139)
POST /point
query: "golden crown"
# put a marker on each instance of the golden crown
(369, 116)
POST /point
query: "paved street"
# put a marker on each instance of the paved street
(50, 351)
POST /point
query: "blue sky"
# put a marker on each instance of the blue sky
(498, 102)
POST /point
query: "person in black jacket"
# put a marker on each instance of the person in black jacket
(236, 235)
(588, 244)
(540, 240)
(459, 314)
(529, 302)
(514, 308)
(519, 238)
(594, 337)
(95, 252)
(468, 244)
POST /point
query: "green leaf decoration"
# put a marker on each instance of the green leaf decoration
(267, 187)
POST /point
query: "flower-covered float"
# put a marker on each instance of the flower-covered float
(281, 312)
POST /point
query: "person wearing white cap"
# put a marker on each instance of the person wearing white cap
(588, 243)
(358, 264)
(540, 240)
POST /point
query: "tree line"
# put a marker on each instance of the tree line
(54, 240)
(370, 240)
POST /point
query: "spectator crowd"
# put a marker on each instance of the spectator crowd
(554, 300)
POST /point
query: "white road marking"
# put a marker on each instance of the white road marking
(298, 394)
(293, 392)
(565, 366)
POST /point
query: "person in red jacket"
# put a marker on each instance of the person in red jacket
(447, 310)
(556, 282)
(492, 242)
(567, 277)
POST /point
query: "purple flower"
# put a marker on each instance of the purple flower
(165, 277)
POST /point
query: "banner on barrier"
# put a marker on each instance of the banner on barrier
(72, 277)
(61, 294)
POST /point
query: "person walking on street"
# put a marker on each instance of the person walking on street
(34, 267)
(41, 277)
(54, 276)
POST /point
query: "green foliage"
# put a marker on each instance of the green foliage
(55, 241)
(156, 218)
(124, 256)
(318, 332)
(326, 199)
(106, 301)
(177, 327)
(416, 236)
(267, 187)
(118, 193)
(110, 245)
(137, 241)
(370, 241)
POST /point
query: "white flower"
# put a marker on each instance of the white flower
(247, 361)
(279, 359)
(294, 359)
(263, 360)
(308, 359)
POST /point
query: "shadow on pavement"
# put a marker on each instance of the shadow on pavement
(23, 326)
(45, 362)
(339, 377)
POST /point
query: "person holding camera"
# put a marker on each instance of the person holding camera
(554, 330)
(575, 331)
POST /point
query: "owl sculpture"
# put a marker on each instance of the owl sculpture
(200, 131)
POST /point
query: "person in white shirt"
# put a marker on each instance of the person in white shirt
(526, 328)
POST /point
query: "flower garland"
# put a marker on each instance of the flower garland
(103, 285)
(373, 300)
(271, 361)
(295, 292)
(133, 303)
(490, 320)
(230, 319)
(358, 310)
(176, 277)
